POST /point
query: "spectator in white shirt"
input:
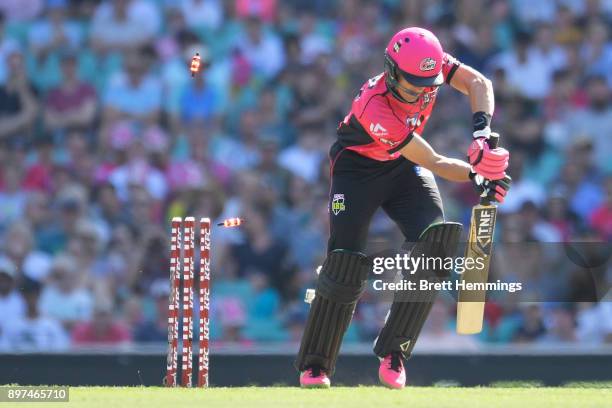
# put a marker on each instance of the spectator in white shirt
(202, 13)
(65, 297)
(595, 322)
(529, 12)
(596, 51)
(34, 332)
(264, 50)
(525, 70)
(21, 10)
(593, 122)
(54, 31)
(120, 25)
(133, 93)
(547, 50)
(304, 158)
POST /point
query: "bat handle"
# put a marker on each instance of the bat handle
(493, 142)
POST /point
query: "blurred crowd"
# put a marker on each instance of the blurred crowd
(105, 136)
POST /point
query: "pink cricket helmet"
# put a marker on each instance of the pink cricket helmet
(416, 54)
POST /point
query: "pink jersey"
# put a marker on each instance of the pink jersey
(379, 125)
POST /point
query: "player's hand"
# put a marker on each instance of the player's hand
(492, 190)
(489, 163)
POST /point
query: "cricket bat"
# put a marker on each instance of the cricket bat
(471, 303)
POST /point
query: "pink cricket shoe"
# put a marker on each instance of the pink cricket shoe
(314, 377)
(391, 372)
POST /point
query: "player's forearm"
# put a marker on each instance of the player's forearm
(420, 152)
(477, 87)
(482, 97)
(451, 169)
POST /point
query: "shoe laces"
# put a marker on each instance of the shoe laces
(395, 362)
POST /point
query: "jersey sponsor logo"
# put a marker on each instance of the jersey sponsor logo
(377, 130)
(427, 64)
(414, 121)
(338, 204)
(387, 141)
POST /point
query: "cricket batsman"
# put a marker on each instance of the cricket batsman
(380, 159)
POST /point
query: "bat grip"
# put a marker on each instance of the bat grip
(493, 142)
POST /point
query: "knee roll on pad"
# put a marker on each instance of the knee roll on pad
(439, 240)
(341, 282)
(411, 308)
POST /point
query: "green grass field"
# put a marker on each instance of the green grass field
(579, 395)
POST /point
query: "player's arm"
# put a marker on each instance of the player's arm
(490, 163)
(420, 152)
(479, 89)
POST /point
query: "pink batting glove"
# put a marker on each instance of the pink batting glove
(489, 163)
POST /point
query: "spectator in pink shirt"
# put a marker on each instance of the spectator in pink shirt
(38, 175)
(264, 9)
(103, 328)
(73, 103)
(601, 218)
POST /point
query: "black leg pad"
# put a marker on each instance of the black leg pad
(341, 282)
(411, 308)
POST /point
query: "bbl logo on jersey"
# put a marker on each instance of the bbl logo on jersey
(337, 204)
